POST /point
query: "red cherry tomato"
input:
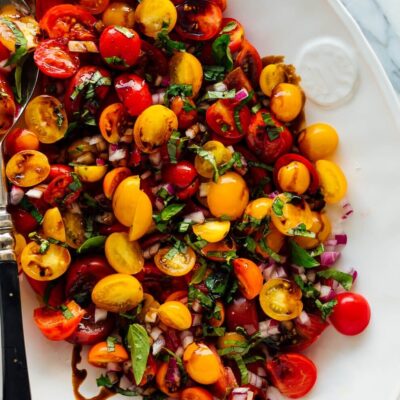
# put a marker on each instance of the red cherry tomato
(249, 60)
(351, 314)
(23, 221)
(133, 92)
(268, 138)
(43, 5)
(234, 29)
(21, 139)
(59, 191)
(119, 46)
(180, 175)
(94, 6)
(58, 170)
(54, 324)
(54, 59)
(151, 61)
(185, 110)
(242, 312)
(229, 121)
(52, 291)
(188, 191)
(7, 106)
(68, 21)
(287, 159)
(4, 52)
(293, 374)
(198, 20)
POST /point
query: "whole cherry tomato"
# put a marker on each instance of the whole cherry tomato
(183, 176)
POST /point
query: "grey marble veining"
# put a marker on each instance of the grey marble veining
(380, 22)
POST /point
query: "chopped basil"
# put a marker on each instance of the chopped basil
(88, 86)
(111, 340)
(187, 106)
(76, 184)
(236, 117)
(213, 331)
(302, 257)
(308, 289)
(326, 308)
(125, 392)
(346, 280)
(222, 53)
(28, 206)
(229, 27)
(250, 244)
(256, 108)
(139, 344)
(18, 80)
(165, 42)
(228, 256)
(21, 42)
(200, 273)
(174, 143)
(244, 373)
(273, 131)
(183, 227)
(222, 283)
(196, 294)
(301, 230)
(257, 164)
(235, 161)
(116, 61)
(66, 312)
(275, 256)
(125, 31)
(208, 156)
(317, 251)
(93, 243)
(211, 95)
(59, 115)
(179, 90)
(277, 206)
(214, 73)
(170, 211)
(178, 247)
(104, 381)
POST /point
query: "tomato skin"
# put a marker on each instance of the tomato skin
(260, 143)
(114, 43)
(21, 139)
(58, 170)
(151, 61)
(198, 20)
(293, 374)
(58, 191)
(7, 106)
(351, 315)
(134, 93)
(43, 5)
(54, 59)
(236, 35)
(242, 312)
(249, 60)
(180, 175)
(56, 297)
(4, 52)
(23, 221)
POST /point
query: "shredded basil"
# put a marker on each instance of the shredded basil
(273, 131)
(275, 256)
(222, 53)
(200, 273)
(213, 73)
(178, 247)
(125, 31)
(256, 108)
(28, 206)
(302, 257)
(244, 373)
(301, 230)
(76, 184)
(196, 294)
(277, 206)
(250, 244)
(326, 308)
(66, 312)
(111, 340)
(346, 280)
(139, 344)
(115, 61)
(212, 331)
(208, 156)
(211, 95)
(257, 164)
(59, 115)
(174, 143)
(179, 90)
(235, 161)
(20, 42)
(165, 42)
(104, 381)
(93, 243)
(308, 289)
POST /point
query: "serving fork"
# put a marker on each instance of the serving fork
(14, 366)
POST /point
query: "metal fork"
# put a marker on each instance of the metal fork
(15, 371)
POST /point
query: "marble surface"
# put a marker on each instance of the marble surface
(380, 22)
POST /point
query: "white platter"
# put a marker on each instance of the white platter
(365, 367)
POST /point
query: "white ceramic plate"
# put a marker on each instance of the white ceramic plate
(364, 367)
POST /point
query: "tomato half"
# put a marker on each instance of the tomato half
(198, 20)
(21, 139)
(234, 29)
(242, 312)
(69, 21)
(293, 374)
(54, 291)
(23, 221)
(152, 61)
(175, 264)
(57, 324)
(7, 106)
(54, 59)
(114, 123)
(59, 191)
(249, 60)
(57, 170)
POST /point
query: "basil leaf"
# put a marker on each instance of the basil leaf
(326, 308)
(211, 95)
(244, 373)
(104, 380)
(221, 52)
(275, 256)
(214, 73)
(302, 257)
(277, 206)
(196, 294)
(273, 131)
(213, 331)
(208, 156)
(116, 61)
(174, 144)
(179, 90)
(301, 230)
(111, 340)
(170, 211)
(125, 31)
(346, 280)
(139, 344)
(200, 273)
(20, 42)
(66, 312)
(308, 288)
(93, 243)
(257, 164)
(170, 46)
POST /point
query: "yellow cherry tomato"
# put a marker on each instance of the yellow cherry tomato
(19, 245)
(259, 208)
(149, 307)
(332, 181)
(90, 173)
(321, 227)
(273, 239)
(228, 197)
(221, 155)
(53, 225)
(154, 127)
(287, 101)
(212, 231)
(124, 256)
(113, 122)
(124, 199)
(143, 217)
(74, 229)
(202, 364)
(231, 339)
(47, 264)
(154, 15)
(45, 116)
(186, 69)
(27, 168)
(271, 76)
(287, 216)
(119, 13)
(175, 263)
(280, 299)
(318, 141)
(294, 177)
(117, 293)
(113, 178)
(175, 315)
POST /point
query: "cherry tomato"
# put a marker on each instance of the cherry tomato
(4, 52)
(52, 292)
(100, 355)
(56, 324)
(21, 139)
(94, 6)
(351, 315)
(180, 175)
(271, 76)
(196, 393)
(119, 13)
(249, 276)
(59, 191)
(229, 122)
(134, 93)
(293, 374)
(113, 179)
(234, 29)
(178, 264)
(114, 123)
(152, 61)
(58, 170)
(69, 21)
(287, 101)
(119, 46)
(185, 110)
(7, 106)
(242, 312)
(225, 383)
(212, 231)
(280, 299)
(332, 180)
(198, 20)
(168, 387)
(54, 59)
(221, 154)
(267, 138)
(250, 62)
(23, 221)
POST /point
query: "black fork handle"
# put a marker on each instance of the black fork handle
(15, 370)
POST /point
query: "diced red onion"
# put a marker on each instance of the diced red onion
(113, 367)
(341, 239)
(112, 377)
(126, 366)
(155, 333)
(165, 81)
(16, 195)
(317, 286)
(299, 270)
(267, 273)
(196, 306)
(279, 273)
(100, 315)
(261, 372)
(274, 394)
(241, 95)
(151, 251)
(158, 345)
(179, 351)
(125, 383)
(329, 258)
(311, 275)
(304, 319)
(186, 338)
(242, 393)
(219, 87)
(204, 188)
(196, 321)
(255, 380)
(173, 375)
(95, 139)
(196, 217)
(155, 158)
(145, 175)
(268, 328)
(190, 133)
(34, 193)
(331, 242)
(115, 153)
(100, 162)
(273, 194)
(74, 208)
(243, 169)
(347, 209)
(158, 98)
(159, 204)
(327, 293)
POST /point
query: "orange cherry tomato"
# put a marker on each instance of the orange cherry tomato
(100, 354)
(217, 251)
(164, 385)
(7, 106)
(249, 276)
(287, 101)
(196, 393)
(58, 324)
(19, 140)
(175, 264)
(114, 122)
(113, 179)
(179, 295)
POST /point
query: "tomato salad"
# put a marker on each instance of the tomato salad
(170, 202)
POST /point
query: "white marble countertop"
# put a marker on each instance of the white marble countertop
(380, 22)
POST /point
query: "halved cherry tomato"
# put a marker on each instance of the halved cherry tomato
(290, 157)
(242, 312)
(94, 6)
(234, 29)
(90, 173)
(119, 46)
(280, 299)
(332, 179)
(351, 314)
(134, 93)
(114, 122)
(188, 191)
(100, 355)
(21, 139)
(229, 121)
(70, 21)
(113, 179)
(196, 393)
(249, 276)
(185, 110)
(7, 106)
(221, 154)
(57, 170)
(217, 251)
(23, 221)
(249, 60)
(54, 59)
(198, 20)
(176, 264)
(74, 228)
(152, 61)
(267, 137)
(293, 374)
(58, 324)
(212, 231)
(168, 387)
(53, 225)
(61, 191)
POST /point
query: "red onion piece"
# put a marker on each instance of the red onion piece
(112, 377)
(256, 380)
(115, 153)
(100, 162)
(268, 328)
(155, 333)
(304, 319)
(158, 345)
(196, 217)
(158, 98)
(327, 293)
(196, 320)
(241, 95)
(100, 315)
(329, 258)
(113, 367)
(125, 383)
(240, 393)
(16, 195)
(347, 209)
(341, 239)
